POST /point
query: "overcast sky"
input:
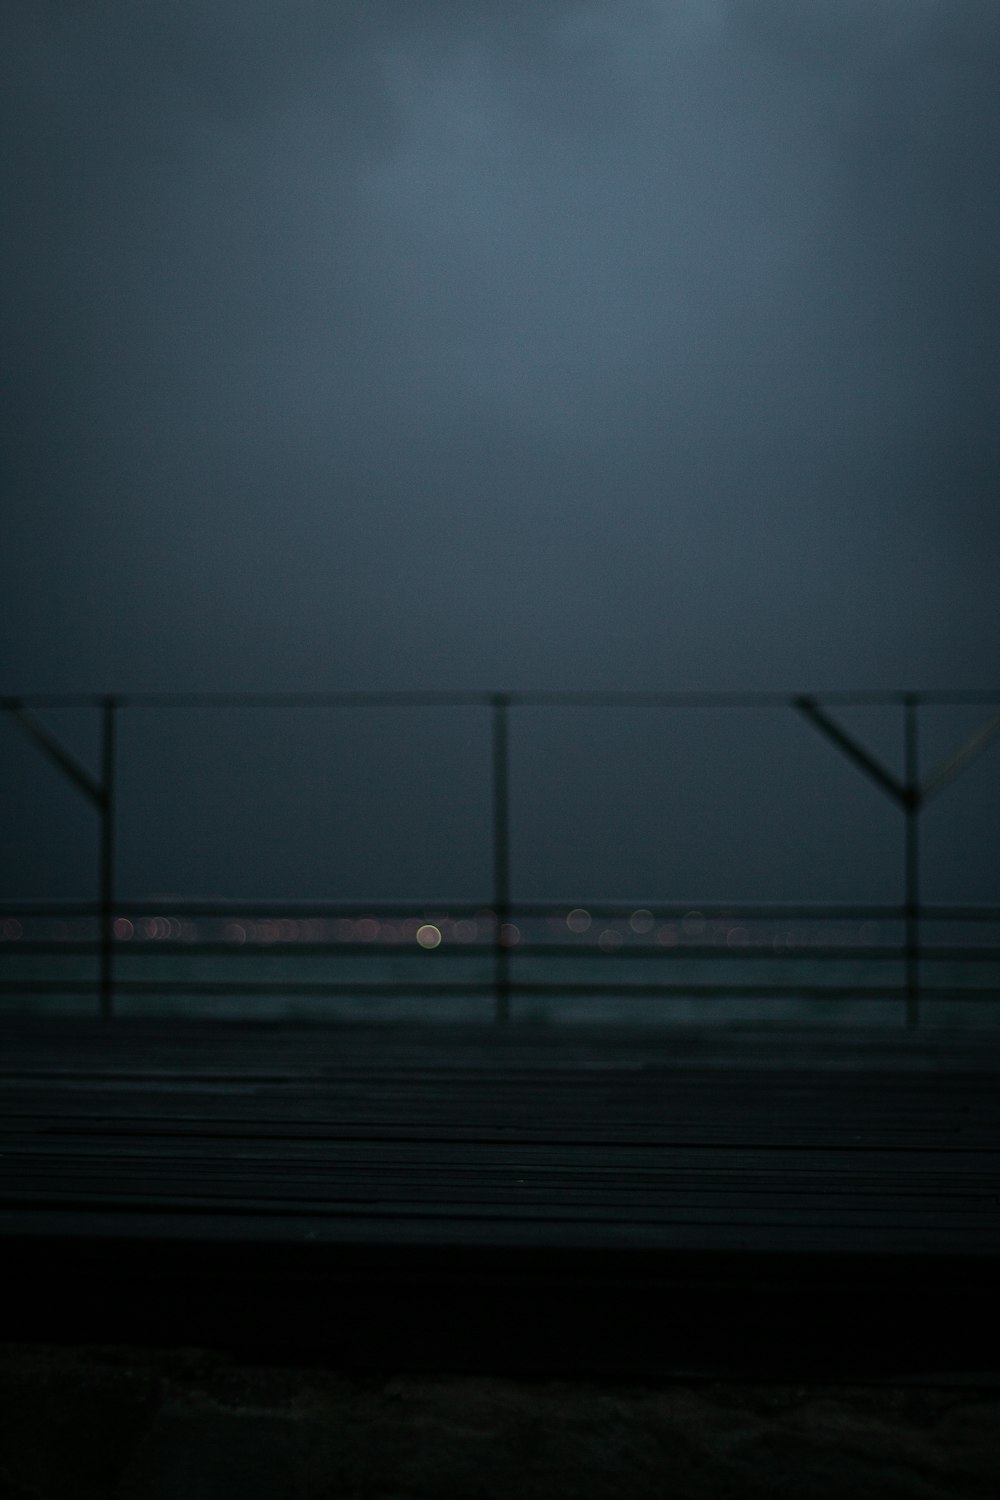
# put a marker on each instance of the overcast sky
(539, 344)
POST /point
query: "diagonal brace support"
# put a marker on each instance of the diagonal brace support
(60, 756)
(900, 792)
(949, 769)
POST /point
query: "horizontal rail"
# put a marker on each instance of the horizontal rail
(672, 911)
(150, 948)
(402, 699)
(320, 989)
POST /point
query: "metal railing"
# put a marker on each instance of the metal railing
(909, 793)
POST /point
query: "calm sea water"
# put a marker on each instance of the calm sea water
(180, 986)
(257, 965)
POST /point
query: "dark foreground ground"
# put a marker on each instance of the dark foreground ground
(594, 1261)
(91, 1424)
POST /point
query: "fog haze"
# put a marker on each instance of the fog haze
(547, 346)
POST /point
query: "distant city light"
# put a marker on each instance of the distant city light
(123, 928)
(510, 935)
(610, 940)
(641, 920)
(578, 920)
(429, 936)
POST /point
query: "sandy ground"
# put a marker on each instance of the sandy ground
(135, 1423)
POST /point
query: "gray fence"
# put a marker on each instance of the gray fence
(494, 922)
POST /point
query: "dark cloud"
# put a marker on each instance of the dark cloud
(555, 344)
(549, 344)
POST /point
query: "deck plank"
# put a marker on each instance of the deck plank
(362, 1171)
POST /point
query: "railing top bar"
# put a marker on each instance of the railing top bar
(775, 910)
(12, 702)
(250, 700)
(744, 700)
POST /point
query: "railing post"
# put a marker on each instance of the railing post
(501, 855)
(107, 855)
(911, 814)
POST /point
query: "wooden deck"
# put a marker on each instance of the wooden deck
(549, 1200)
